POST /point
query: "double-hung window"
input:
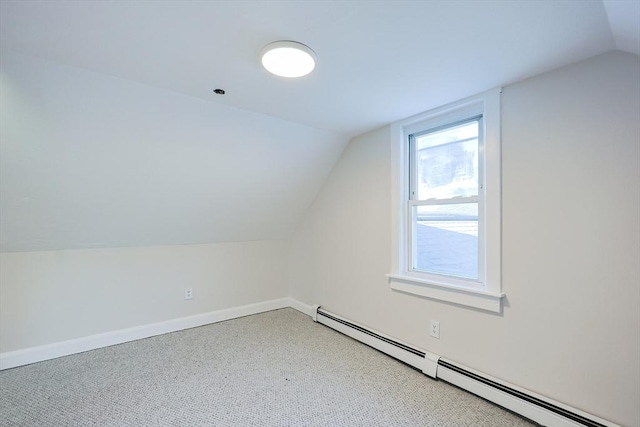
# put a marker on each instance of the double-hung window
(446, 203)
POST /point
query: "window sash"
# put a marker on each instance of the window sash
(413, 203)
(413, 158)
(450, 201)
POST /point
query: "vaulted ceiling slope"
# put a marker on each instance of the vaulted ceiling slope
(88, 160)
(379, 61)
(110, 134)
(624, 19)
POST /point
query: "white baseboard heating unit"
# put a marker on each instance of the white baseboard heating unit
(523, 402)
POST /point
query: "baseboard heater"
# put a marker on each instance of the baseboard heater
(523, 402)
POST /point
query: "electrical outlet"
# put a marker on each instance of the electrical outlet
(188, 293)
(434, 331)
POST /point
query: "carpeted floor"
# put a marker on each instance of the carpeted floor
(271, 369)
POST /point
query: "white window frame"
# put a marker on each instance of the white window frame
(486, 293)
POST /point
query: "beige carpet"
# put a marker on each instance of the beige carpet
(271, 369)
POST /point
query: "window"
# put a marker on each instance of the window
(446, 203)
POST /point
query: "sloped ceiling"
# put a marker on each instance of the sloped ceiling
(90, 160)
(111, 136)
(624, 19)
(378, 60)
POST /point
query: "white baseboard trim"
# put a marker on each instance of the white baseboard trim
(520, 404)
(420, 359)
(26, 356)
(428, 364)
(535, 407)
(301, 307)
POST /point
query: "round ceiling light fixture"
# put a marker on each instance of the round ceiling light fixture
(287, 58)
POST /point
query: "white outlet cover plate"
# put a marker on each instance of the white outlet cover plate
(434, 329)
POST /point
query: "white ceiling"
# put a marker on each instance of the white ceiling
(624, 19)
(379, 61)
(110, 134)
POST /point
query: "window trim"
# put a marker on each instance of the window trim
(489, 295)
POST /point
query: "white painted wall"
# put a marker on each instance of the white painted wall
(571, 244)
(158, 181)
(48, 297)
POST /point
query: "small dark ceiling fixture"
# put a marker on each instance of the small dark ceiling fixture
(219, 91)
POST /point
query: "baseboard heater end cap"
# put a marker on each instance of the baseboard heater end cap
(314, 312)
(430, 367)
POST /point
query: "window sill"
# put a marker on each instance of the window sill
(483, 300)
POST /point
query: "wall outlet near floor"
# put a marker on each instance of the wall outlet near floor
(434, 329)
(188, 293)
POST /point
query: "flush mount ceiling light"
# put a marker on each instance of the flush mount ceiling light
(288, 59)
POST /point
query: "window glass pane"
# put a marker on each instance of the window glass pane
(447, 162)
(446, 239)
